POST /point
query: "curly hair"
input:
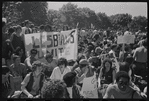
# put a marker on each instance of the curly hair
(121, 74)
(53, 89)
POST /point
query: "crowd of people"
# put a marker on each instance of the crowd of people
(27, 77)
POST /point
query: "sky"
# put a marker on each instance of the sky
(109, 8)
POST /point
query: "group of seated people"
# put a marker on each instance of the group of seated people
(64, 80)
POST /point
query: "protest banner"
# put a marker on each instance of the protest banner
(60, 44)
(89, 87)
(126, 39)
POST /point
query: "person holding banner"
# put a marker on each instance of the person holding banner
(61, 69)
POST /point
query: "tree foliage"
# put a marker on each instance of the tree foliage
(69, 14)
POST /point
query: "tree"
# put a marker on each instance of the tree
(138, 23)
(120, 21)
(36, 12)
(104, 21)
(11, 13)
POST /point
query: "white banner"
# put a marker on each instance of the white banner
(127, 39)
(60, 44)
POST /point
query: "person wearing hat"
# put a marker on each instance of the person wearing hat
(29, 60)
(33, 82)
(72, 88)
(82, 70)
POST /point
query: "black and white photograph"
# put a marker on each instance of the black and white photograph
(74, 50)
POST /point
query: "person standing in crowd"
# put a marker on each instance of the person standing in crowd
(29, 60)
(121, 90)
(16, 40)
(123, 55)
(41, 28)
(27, 27)
(31, 28)
(50, 64)
(73, 91)
(140, 60)
(7, 83)
(7, 47)
(107, 72)
(18, 71)
(61, 69)
(53, 89)
(33, 82)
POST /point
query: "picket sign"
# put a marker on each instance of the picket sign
(89, 87)
(126, 39)
(60, 44)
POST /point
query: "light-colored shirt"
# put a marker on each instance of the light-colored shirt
(56, 73)
(140, 54)
(114, 92)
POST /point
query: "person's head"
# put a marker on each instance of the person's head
(37, 66)
(62, 62)
(83, 64)
(42, 28)
(122, 80)
(32, 26)
(49, 57)
(19, 51)
(53, 89)
(27, 23)
(5, 71)
(71, 62)
(129, 59)
(48, 28)
(98, 50)
(18, 29)
(16, 59)
(94, 61)
(114, 47)
(10, 31)
(33, 52)
(124, 66)
(69, 78)
(107, 63)
(80, 56)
